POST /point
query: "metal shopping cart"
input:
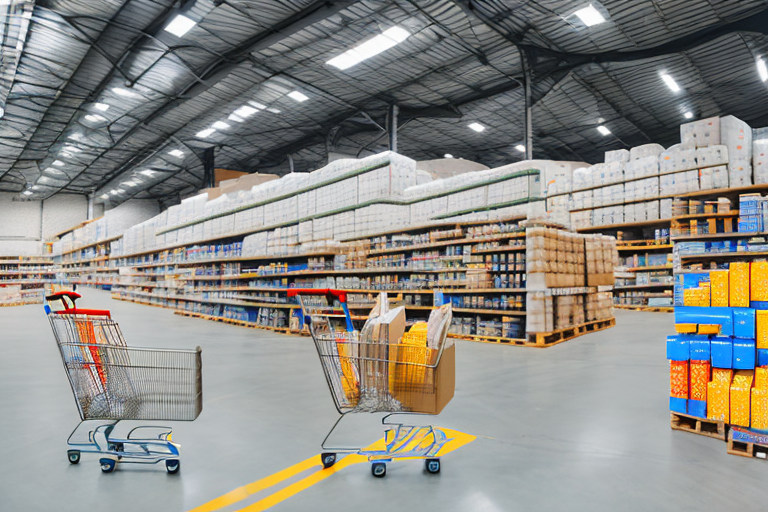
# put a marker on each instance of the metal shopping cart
(367, 373)
(113, 382)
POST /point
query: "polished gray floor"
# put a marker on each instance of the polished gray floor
(580, 426)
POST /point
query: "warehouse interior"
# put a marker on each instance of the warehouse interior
(281, 254)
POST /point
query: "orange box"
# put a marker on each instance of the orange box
(710, 328)
(758, 281)
(741, 394)
(718, 395)
(761, 377)
(678, 379)
(686, 328)
(718, 284)
(738, 284)
(759, 419)
(699, 379)
(761, 326)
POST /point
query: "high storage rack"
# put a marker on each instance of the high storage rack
(85, 264)
(23, 279)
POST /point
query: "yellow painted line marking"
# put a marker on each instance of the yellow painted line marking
(455, 441)
(243, 492)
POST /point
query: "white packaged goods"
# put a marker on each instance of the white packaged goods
(705, 132)
(676, 159)
(652, 210)
(606, 173)
(581, 219)
(690, 181)
(713, 177)
(760, 160)
(645, 151)
(582, 178)
(557, 209)
(581, 200)
(629, 213)
(665, 208)
(647, 188)
(740, 175)
(736, 135)
(711, 156)
(620, 156)
(613, 194)
(641, 167)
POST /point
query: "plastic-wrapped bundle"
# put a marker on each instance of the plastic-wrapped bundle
(582, 178)
(677, 158)
(711, 156)
(736, 135)
(641, 167)
(713, 177)
(702, 133)
(645, 151)
(665, 208)
(620, 156)
(581, 200)
(629, 213)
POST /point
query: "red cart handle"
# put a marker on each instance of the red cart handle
(339, 294)
(70, 308)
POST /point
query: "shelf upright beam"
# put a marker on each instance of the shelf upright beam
(528, 107)
(392, 128)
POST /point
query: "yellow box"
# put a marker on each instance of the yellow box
(741, 394)
(761, 377)
(718, 284)
(758, 281)
(738, 284)
(761, 326)
(686, 328)
(710, 328)
(718, 395)
(759, 419)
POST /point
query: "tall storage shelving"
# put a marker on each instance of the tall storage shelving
(23, 279)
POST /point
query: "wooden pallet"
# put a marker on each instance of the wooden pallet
(701, 426)
(489, 339)
(648, 309)
(233, 321)
(747, 444)
(547, 339)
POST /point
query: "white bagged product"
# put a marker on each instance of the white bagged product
(711, 156)
(736, 135)
(645, 150)
(677, 159)
(620, 156)
(705, 132)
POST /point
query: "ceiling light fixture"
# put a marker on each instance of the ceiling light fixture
(27, 192)
(129, 183)
(113, 192)
(36, 187)
(105, 196)
(257, 105)
(589, 16)
(101, 106)
(245, 111)
(72, 149)
(296, 95)
(93, 118)
(688, 115)
(477, 127)
(447, 155)
(58, 163)
(219, 125)
(370, 48)
(520, 148)
(203, 134)
(670, 82)
(761, 69)
(176, 152)
(273, 110)
(603, 130)
(147, 172)
(125, 92)
(180, 25)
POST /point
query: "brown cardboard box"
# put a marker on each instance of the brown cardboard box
(213, 193)
(390, 327)
(245, 182)
(220, 175)
(432, 398)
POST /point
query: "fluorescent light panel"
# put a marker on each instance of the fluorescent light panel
(58, 163)
(219, 125)
(180, 25)
(177, 153)
(688, 115)
(520, 148)
(603, 130)
(370, 48)
(447, 155)
(124, 92)
(27, 192)
(590, 16)
(147, 172)
(670, 82)
(477, 127)
(205, 133)
(93, 119)
(761, 69)
(296, 95)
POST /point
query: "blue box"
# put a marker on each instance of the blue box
(744, 354)
(678, 405)
(697, 408)
(699, 349)
(762, 357)
(678, 348)
(708, 315)
(685, 281)
(744, 323)
(754, 304)
(722, 352)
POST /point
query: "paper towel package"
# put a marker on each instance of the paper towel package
(705, 132)
(645, 150)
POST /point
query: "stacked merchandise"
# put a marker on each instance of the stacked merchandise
(10, 295)
(565, 271)
(719, 358)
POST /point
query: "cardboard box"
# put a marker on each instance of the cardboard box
(695, 315)
(718, 395)
(759, 409)
(719, 288)
(699, 378)
(738, 284)
(741, 394)
(678, 379)
(744, 354)
(699, 349)
(678, 348)
(722, 352)
(758, 281)
(438, 389)
(761, 328)
(744, 323)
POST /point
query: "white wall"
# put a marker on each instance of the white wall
(63, 211)
(131, 213)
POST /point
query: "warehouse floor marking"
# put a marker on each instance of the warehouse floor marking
(457, 440)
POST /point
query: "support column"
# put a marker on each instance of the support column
(528, 109)
(392, 128)
(290, 162)
(89, 215)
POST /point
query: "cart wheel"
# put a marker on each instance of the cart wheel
(107, 465)
(328, 459)
(432, 466)
(73, 456)
(379, 469)
(172, 466)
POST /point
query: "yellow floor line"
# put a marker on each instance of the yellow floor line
(456, 440)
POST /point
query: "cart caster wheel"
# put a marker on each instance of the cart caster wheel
(73, 456)
(107, 465)
(328, 459)
(432, 466)
(379, 469)
(172, 466)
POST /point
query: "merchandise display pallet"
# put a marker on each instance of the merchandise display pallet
(648, 309)
(547, 339)
(488, 339)
(701, 426)
(744, 447)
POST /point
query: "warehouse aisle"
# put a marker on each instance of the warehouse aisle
(584, 423)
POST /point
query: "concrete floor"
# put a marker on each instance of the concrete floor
(580, 426)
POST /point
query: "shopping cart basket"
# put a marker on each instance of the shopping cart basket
(365, 374)
(113, 382)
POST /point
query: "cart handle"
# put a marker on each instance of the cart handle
(339, 294)
(62, 296)
(68, 299)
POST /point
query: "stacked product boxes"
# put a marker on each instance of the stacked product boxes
(719, 356)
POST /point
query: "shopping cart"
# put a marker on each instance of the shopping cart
(113, 382)
(365, 374)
